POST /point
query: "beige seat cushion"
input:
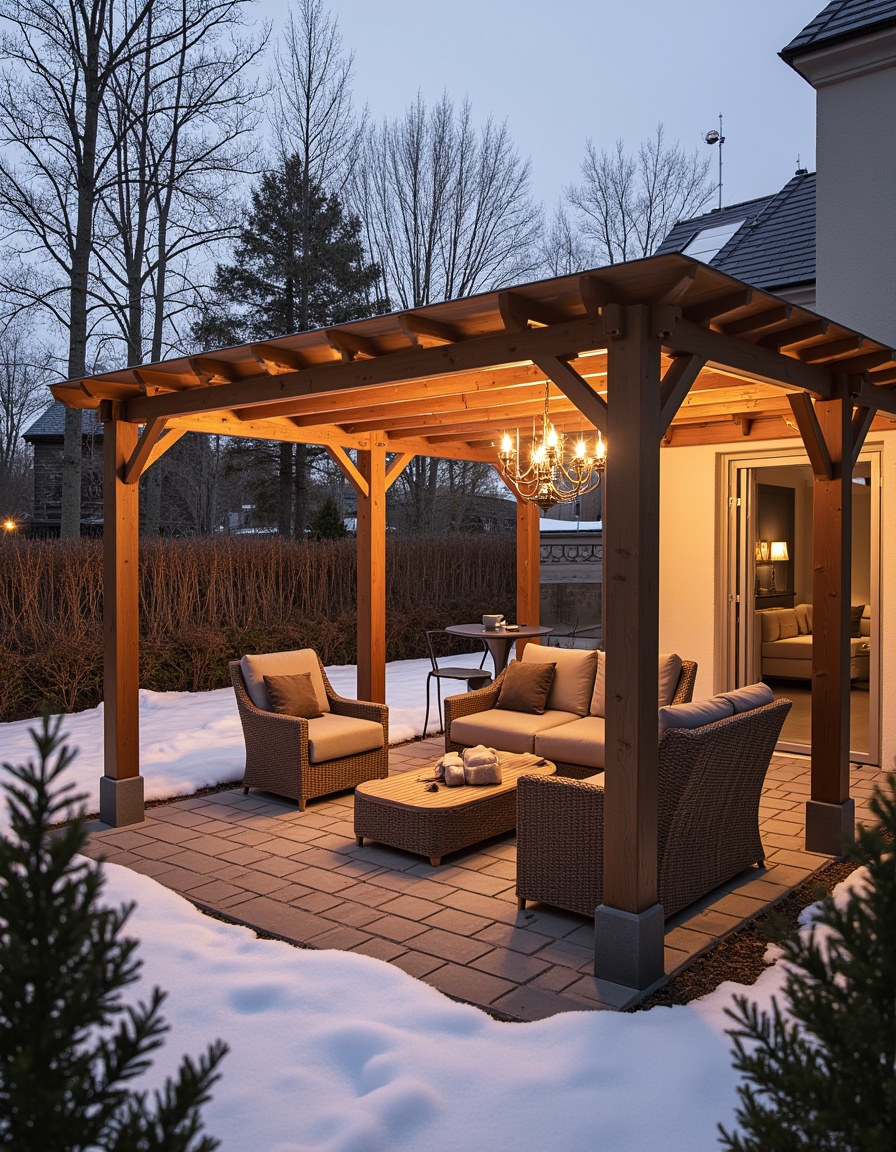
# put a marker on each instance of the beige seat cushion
(506, 731)
(580, 742)
(791, 648)
(332, 737)
(573, 682)
(255, 668)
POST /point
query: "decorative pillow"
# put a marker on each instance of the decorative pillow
(865, 622)
(855, 619)
(809, 616)
(802, 619)
(599, 696)
(787, 623)
(753, 696)
(670, 672)
(573, 683)
(525, 687)
(695, 715)
(293, 695)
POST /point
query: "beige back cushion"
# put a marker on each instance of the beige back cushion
(865, 622)
(802, 618)
(695, 715)
(787, 623)
(669, 675)
(573, 683)
(255, 668)
(745, 699)
(771, 628)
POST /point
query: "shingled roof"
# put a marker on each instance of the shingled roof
(50, 424)
(841, 20)
(774, 248)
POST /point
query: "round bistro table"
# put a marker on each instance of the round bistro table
(498, 640)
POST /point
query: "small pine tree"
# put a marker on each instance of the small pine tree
(69, 1046)
(326, 523)
(821, 1074)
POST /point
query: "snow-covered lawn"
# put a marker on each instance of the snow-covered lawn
(336, 1051)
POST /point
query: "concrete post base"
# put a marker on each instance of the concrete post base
(829, 827)
(628, 947)
(121, 801)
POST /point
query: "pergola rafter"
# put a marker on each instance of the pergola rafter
(656, 352)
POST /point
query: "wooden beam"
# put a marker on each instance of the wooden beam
(858, 365)
(711, 310)
(807, 422)
(151, 445)
(758, 321)
(861, 423)
(576, 389)
(528, 563)
(426, 332)
(121, 788)
(212, 371)
(347, 467)
(816, 352)
(504, 348)
(371, 590)
(278, 361)
(153, 382)
(631, 591)
(749, 360)
(519, 311)
(788, 337)
(351, 346)
(676, 384)
(397, 466)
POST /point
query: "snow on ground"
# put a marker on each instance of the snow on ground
(336, 1051)
(192, 740)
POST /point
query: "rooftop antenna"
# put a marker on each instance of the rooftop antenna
(713, 137)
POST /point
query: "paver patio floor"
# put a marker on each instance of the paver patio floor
(300, 876)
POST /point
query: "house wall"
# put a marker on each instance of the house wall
(856, 156)
(692, 611)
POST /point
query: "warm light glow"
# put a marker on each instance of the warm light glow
(580, 450)
(553, 439)
(779, 551)
(9, 525)
(506, 443)
(600, 449)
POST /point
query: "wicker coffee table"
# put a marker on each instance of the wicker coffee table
(400, 812)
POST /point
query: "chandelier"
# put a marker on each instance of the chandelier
(549, 479)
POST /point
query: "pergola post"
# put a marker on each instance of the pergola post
(372, 573)
(628, 925)
(528, 565)
(121, 787)
(832, 445)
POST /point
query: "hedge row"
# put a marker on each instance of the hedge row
(204, 602)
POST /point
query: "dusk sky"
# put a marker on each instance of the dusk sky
(564, 70)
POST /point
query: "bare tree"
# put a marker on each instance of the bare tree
(626, 204)
(61, 56)
(446, 209)
(25, 371)
(563, 248)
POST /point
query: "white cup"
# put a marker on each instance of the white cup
(492, 622)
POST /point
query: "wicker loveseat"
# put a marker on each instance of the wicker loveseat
(300, 758)
(710, 782)
(570, 732)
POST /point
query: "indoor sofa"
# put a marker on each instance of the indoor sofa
(783, 640)
(570, 729)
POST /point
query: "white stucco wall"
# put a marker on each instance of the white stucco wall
(692, 605)
(856, 157)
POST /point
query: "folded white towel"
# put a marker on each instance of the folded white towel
(482, 765)
(450, 759)
(454, 775)
(479, 754)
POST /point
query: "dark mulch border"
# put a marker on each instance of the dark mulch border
(741, 956)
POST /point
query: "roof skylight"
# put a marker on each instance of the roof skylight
(708, 242)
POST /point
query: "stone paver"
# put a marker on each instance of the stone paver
(457, 927)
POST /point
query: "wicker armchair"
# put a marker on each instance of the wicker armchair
(485, 698)
(710, 782)
(278, 757)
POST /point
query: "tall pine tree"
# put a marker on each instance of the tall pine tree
(820, 1072)
(70, 1047)
(299, 264)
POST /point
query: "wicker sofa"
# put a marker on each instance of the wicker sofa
(783, 642)
(570, 732)
(299, 758)
(710, 782)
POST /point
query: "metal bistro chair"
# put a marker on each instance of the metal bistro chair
(475, 677)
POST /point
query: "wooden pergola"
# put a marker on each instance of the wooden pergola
(655, 353)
